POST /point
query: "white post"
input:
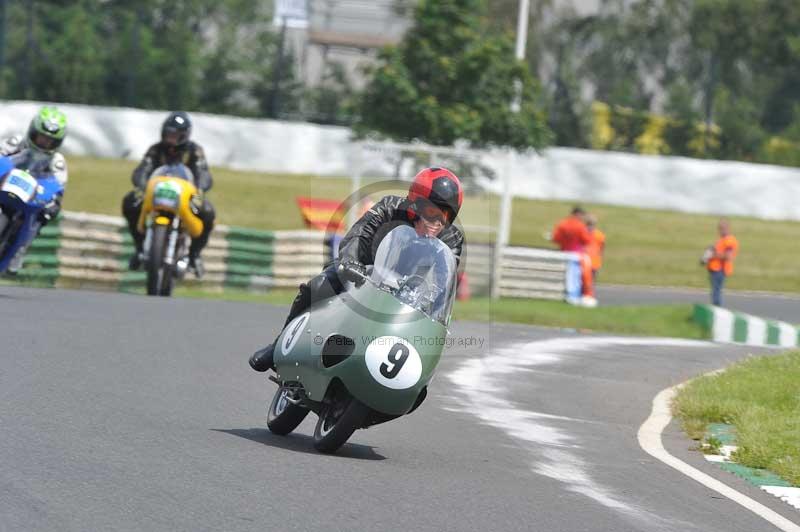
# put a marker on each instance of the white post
(355, 194)
(522, 28)
(519, 53)
(504, 226)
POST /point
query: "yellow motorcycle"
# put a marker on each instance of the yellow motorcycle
(169, 220)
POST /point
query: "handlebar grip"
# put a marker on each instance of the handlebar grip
(346, 271)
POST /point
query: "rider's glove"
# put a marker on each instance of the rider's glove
(138, 197)
(49, 211)
(351, 270)
(196, 202)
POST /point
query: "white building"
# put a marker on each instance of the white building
(351, 32)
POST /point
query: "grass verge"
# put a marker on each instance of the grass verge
(280, 296)
(649, 320)
(644, 246)
(760, 397)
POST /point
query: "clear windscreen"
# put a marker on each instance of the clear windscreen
(180, 171)
(35, 163)
(419, 271)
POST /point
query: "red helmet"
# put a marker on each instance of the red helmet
(439, 186)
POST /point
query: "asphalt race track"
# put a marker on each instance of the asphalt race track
(761, 304)
(129, 413)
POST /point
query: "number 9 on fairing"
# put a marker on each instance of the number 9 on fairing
(397, 357)
(393, 362)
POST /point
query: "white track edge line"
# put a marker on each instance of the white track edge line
(649, 436)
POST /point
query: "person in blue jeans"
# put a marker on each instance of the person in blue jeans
(717, 281)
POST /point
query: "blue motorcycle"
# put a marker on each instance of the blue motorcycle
(23, 197)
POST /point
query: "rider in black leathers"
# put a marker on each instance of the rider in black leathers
(433, 202)
(174, 147)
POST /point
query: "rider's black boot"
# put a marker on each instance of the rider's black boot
(262, 360)
(135, 262)
(196, 264)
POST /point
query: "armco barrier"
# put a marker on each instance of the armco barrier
(478, 265)
(535, 273)
(726, 326)
(90, 250)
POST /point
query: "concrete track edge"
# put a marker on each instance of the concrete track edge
(649, 437)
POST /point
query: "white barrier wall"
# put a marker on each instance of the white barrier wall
(241, 143)
(674, 183)
(659, 182)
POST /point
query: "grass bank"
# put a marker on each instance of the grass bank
(648, 320)
(280, 296)
(760, 397)
(644, 246)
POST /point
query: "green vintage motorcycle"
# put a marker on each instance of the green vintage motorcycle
(366, 356)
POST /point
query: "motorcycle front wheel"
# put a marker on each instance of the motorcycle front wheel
(283, 417)
(3, 226)
(159, 275)
(338, 420)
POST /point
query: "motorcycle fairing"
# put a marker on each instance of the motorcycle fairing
(159, 189)
(395, 350)
(22, 214)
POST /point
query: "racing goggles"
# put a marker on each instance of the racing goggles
(174, 137)
(431, 213)
(45, 143)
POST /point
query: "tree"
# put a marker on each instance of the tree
(332, 102)
(52, 51)
(72, 68)
(274, 100)
(449, 80)
(207, 55)
(722, 72)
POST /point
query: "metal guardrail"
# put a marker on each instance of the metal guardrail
(90, 250)
(478, 261)
(536, 273)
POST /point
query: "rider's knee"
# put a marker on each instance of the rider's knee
(131, 205)
(207, 210)
(206, 213)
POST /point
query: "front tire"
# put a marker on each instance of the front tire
(338, 420)
(283, 417)
(4, 222)
(159, 275)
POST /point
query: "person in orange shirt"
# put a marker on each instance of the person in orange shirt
(571, 234)
(596, 246)
(720, 262)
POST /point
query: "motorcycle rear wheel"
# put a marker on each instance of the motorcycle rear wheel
(283, 417)
(338, 420)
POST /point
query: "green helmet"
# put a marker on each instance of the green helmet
(47, 130)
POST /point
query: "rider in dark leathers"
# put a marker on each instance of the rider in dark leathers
(174, 147)
(433, 202)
